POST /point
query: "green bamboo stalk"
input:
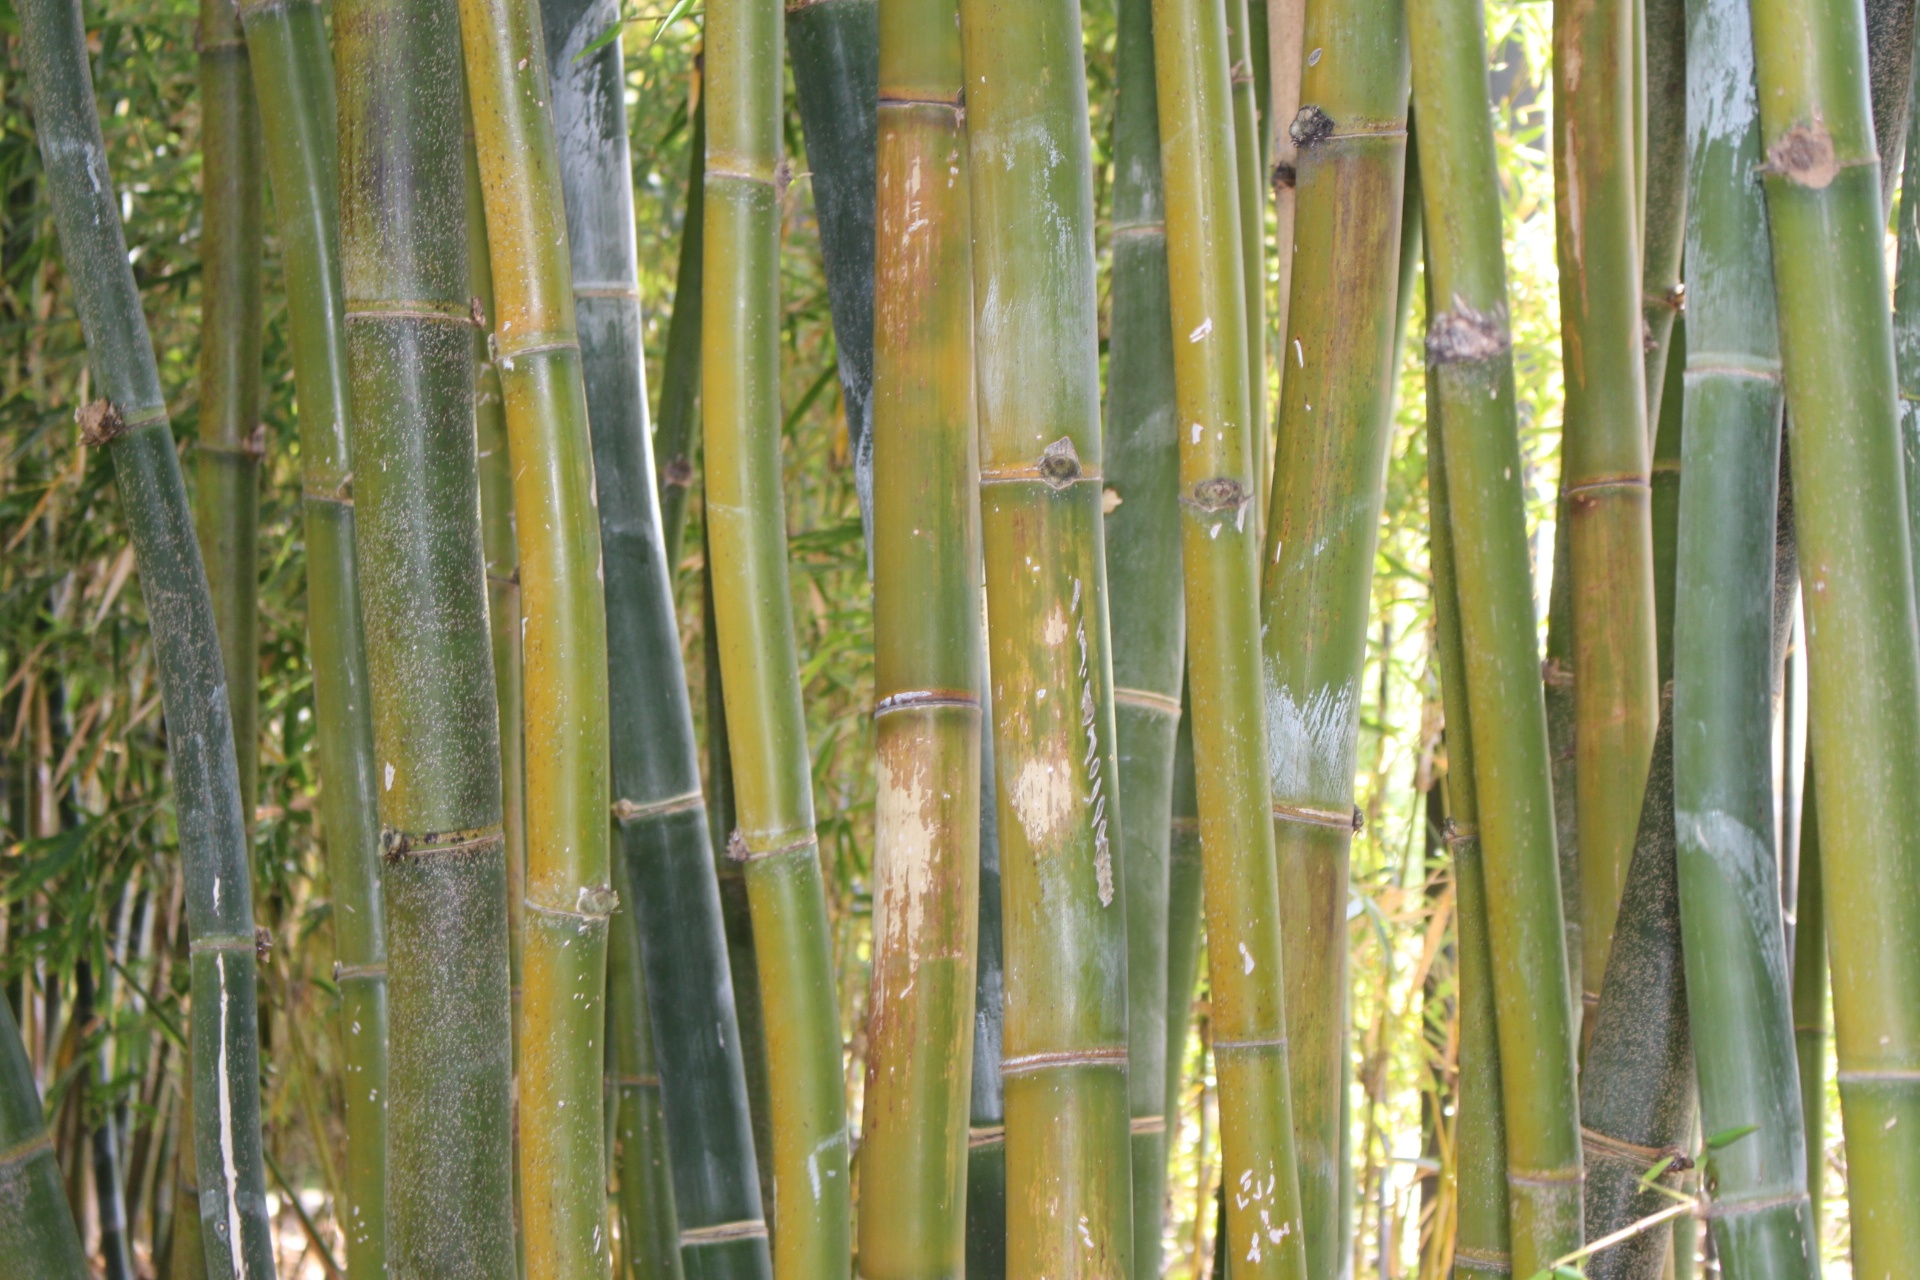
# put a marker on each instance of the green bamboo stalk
(746, 531)
(1205, 127)
(130, 423)
(1664, 200)
(569, 896)
(1251, 195)
(42, 1243)
(1149, 627)
(293, 79)
(1183, 910)
(1470, 362)
(403, 221)
(1482, 1246)
(986, 1114)
(649, 1219)
(1906, 331)
(679, 415)
(232, 437)
(1725, 672)
(1890, 85)
(1810, 1030)
(1069, 1190)
(928, 680)
(1286, 29)
(1605, 453)
(1825, 220)
(103, 1141)
(661, 833)
(186, 1251)
(1335, 417)
(834, 46)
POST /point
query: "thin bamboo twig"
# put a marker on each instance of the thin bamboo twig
(293, 79)
(130, 423)
(1069, 1195)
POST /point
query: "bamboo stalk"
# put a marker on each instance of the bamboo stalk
(928, 680)
(1605, 453)
(1336, 410)
(569, 893)
(403, 220)
(130, 423)
(746, 531)
(232, 437)
(1890, 85)
(1482, 1245)
(986, 1115)
(1286, 29)
(1810, 1030)
(834, 48)
(1149, 626)
(42, 1243)
(1664, 200)
(1470, 363)
(1825, 222)
(1204, 129)
(679, 416)
(1069, 1210)
(1183, 909)
(1724, 639)
(661, 833)
(293, 79)
(103, 1143)
(649, 1219)
(1251, 182)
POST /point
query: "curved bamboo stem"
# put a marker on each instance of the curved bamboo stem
(1069, 1194)
(42, 1243)
(1825, 219)
(293, 79)
(403, 221)
(927, 676)
(1335, 417)
(746, 531)
(1470, 364)
(130, 423)
(1149, 626)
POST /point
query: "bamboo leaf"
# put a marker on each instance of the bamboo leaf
(1727, 1137)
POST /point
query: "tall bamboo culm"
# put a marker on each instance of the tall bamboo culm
(1286, 29)
(1149, 626)
(1664, 200)
(1064, 1069)
(1205, 126)
(130, 423)
(1825, 221)
(403, 221)
(659, 822)
(563, 620)
(675, 426)
(1350, 136)
(1482, 1248)
(986, 1114)
(293, 79)
(1184, 907)
(1810, 1030)
(1724, 675)
(1249, 151)
(1606, 453)
(42, 1243)
(928, 680)
(1470, 367)
(759, 668)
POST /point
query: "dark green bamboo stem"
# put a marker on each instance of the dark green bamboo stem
(649, 1219)
(679, 417)
(834, 46)
(130, 423)
(1336, 408)
(1249, 152)
(1069, 1190)
(928, 677)
(1890, 85)
(293, 78)
(1149, 626)
(1906, 330)
(986, 1113)
(658, 809)
(103, 1142)
(1470, 363)
(1664, 199)
(746, 531)
(1206, 134)
(1825, 221)
(34, 1218)
(1482, 1246)
(403, 221)
(1810, 1029)
(232, 437)
(1605, 451)
(1725, 665)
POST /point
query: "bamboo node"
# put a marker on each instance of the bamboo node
(1309, 816)
(591, 904)
(1463, 334)
(397, 844)
(914, 699)
(346, 972)
(1028, 1063)
(100, 424)
(1060, 463)
(1547, 1178)
(722, 1232)
(1556, 674)
(22, 1152)
(1147, 1124)
(236, 942)
(1597, 1143)
(1455, 834)
(628, 810)
(1804, 155)
(1254, 1045)
(478, 311)
(986, 1135)
(1674, 299)
(678, 474)
(738, 850)
(1483, 1259)
(1147, 700)
(1219, 494)
(1739, 1208)
(1311, 125)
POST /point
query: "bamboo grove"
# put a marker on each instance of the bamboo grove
(940, 639)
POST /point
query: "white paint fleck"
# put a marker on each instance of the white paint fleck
(389, 776)
(1201, 330)
(1311, 741)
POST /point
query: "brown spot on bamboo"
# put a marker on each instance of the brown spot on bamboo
(1804, 155)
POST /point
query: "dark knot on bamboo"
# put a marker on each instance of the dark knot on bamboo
(1463, 334)
(100, 424)
(1283, 177)
(262, 943)
(1221, 493)
(1060, 463)
(1674, 299)
(1311, 125)
(678, 473)
(1804, 155)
